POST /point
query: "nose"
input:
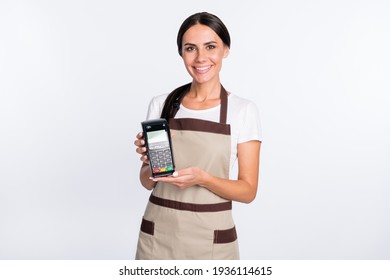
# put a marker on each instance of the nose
(201, 55)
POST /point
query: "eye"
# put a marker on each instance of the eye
(210, 47)
(189, 49)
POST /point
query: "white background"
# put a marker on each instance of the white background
(75, 81)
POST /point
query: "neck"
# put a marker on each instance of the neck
(203, 92)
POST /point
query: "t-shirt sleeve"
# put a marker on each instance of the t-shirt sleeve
(155, 107)
(250, 124)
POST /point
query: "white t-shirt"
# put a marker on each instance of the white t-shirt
(242, 115)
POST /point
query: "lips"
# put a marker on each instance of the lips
(203, 69)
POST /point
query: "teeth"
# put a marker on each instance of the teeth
(202, 68)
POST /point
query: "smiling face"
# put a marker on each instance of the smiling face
(203, 52)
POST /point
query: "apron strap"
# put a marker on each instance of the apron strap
(224, 105)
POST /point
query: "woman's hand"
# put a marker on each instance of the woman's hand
(184, 178)
(145, 172)
(141, 149)
(243, 189)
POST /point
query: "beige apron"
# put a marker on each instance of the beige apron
(193, 223)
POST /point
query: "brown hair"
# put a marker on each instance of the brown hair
(172, 103)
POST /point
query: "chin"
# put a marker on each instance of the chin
(201, 81)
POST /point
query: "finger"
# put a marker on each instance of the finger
(144, 158)
(140, 135)
(141, 150)
(139, 143)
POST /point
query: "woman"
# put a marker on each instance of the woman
(189, 214)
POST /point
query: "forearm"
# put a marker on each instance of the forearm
(237, 190)
(144, 175)
(243, 189)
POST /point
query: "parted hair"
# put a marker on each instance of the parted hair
(173, 100)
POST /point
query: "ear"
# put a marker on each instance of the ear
(226, 52)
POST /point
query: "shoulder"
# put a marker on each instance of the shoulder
(156, 105)
(244, 118)
(159, 99)
(240, 105)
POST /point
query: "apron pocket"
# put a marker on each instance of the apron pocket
(147, 227)
(225, 236)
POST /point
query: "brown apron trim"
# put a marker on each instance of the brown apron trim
(224, 101)
(199, 125)
(147, 227)
(217, 207)
(225, 236)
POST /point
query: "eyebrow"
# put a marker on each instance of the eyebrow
(205, 44)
